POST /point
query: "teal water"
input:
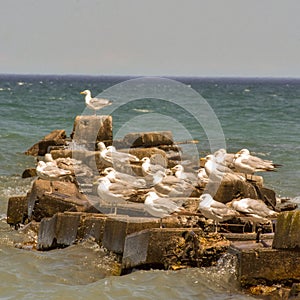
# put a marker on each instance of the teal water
(259, 114)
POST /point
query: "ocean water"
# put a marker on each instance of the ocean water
(259, 114)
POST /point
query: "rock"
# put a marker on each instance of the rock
(228, 190)
(30, 172)
(91, 225)
(89, 130)
(170, 248)
(148, 139)
(259, 265)
(287, 233)
(55, 138)
(117, 228)
(58, 231)
(65, 197)
(17, 210)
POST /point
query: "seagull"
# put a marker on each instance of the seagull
(122, 156)
(202, 177)
(160, 206)
(103, 191)
(49, 171)
(67, 163)
(216, 170)
(126, 179)
(94, 103)
(113, 157)
(248, 164)
(187, 176)
(150, 169)
(225, 158)
(215, 210)
(254, 208)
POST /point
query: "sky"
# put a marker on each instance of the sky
(213, 38)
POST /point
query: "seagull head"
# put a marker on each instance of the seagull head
(85, 92)
(145, 160)
(178, 168)
(244, 152)
(205, 197)
(151, 195)
(101, 146)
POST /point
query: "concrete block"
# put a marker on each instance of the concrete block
(118, 227)
(17, 210)
(287, 233)
(65, 196)
(58, 231)
(147, 247)
(92, 129)
(91, 225)
(259, 265)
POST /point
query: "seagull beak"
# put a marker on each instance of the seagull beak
(82, 93)
(203, 160)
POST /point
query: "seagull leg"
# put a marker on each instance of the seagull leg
(160, 223)
(51, 189)
(216, 226)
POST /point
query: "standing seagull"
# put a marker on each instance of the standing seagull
(94, 103)
(254, 208)
(160, 206)
(215, 210)
(103, 191)
(249, 164)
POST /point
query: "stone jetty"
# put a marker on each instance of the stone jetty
(73, 212)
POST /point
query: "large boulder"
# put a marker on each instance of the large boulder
(65, 197)
(89, 130)
(55, 138)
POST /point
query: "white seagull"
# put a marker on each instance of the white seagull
(123, 178)
(150, 169)
(113, 157)
(49, 171)
(181, 174)
(217, 170)
(256, 209)
(103, 191)
(94, 103)
(215, 210)
(160, 206)
(248, 164)
(253, 207)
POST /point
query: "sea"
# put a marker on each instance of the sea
(260, 114)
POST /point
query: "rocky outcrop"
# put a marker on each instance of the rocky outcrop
(55, 138)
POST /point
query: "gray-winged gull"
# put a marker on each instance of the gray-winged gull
(49, 171)
(215, 210)
(94, 103)
(160, 206)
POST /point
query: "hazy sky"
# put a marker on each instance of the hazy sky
(155, 37)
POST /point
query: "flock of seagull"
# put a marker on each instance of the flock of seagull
(159, 185)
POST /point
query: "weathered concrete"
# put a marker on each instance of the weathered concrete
(89, 130)
(17, 210)
(260, 265)
(58, 231)
(91, 225)
(161, 248)
(55, 138)
(65, 197)
(287, 232)
(118, 227)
